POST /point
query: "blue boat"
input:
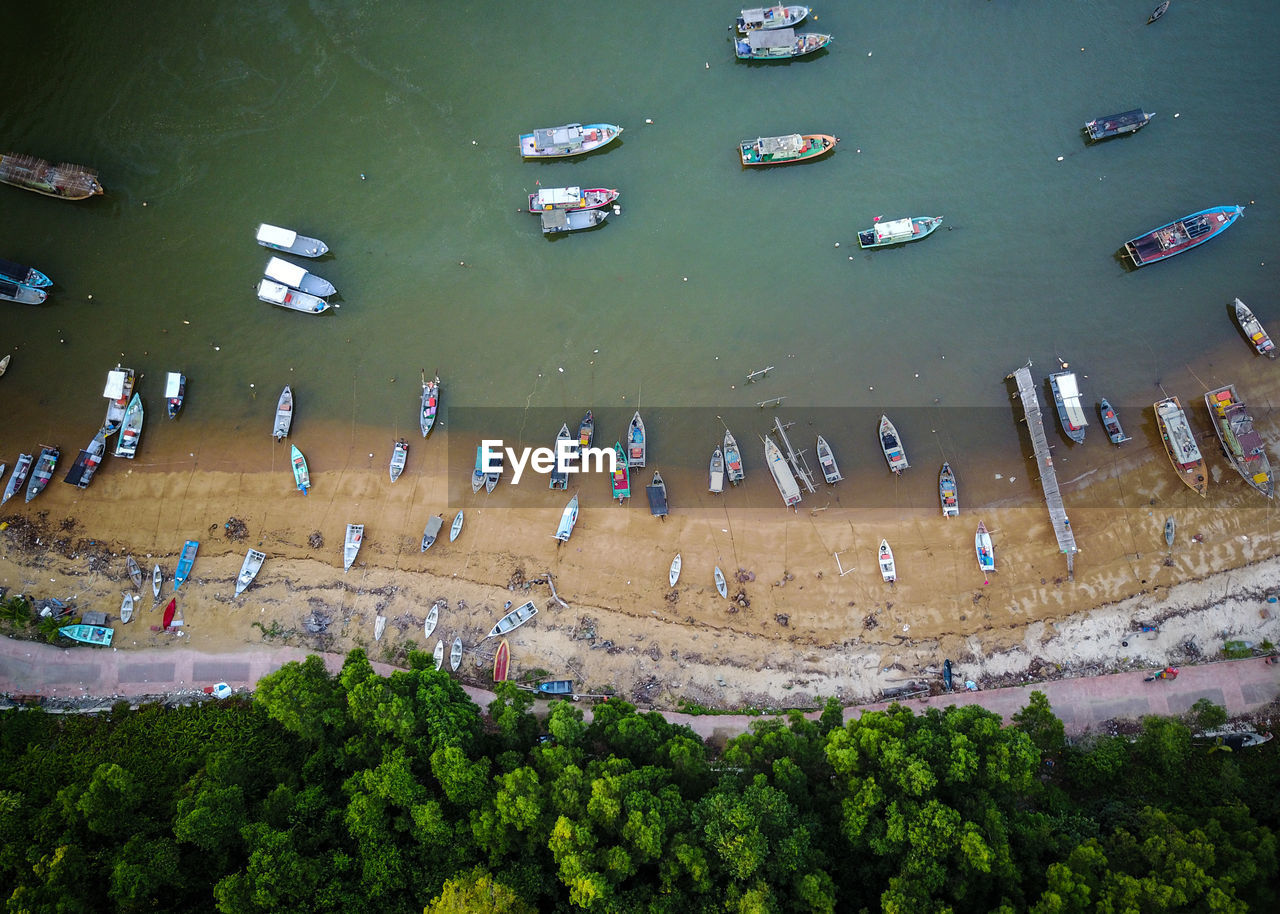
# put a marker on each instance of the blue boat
(185, 561)
(24, 275)
(1181, 235)
(556, 687)
(88, 634)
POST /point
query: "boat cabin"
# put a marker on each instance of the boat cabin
(657, 500)
(1115, 124)
(275, 236)
(119, 384)
(561, 139)
(783, 147)
(555, 220)
(282, 271)
(1066, 391)
(1179, 439)
(894, 232)
(549, 198)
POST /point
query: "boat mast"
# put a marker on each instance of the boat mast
(796, 459)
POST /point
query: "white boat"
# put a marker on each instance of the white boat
(513, 620)
(289, 241)
(1067, 398)
(777, 16)
(277, 293)
(782, 475)
(157, 578)
(351, 546)
(491, 478)
(175, 391)
(1252, 328)
(433, 617)
(399, 454)
(4, 364)
(894, 454)
(478, 475)
(379, 625)
(432, 531)
(982, 546)
(284, 414)
(567, 140)
(126, 608)
(293, 275)
(888, 570)
(249, 570)
(568, 519)
(674, 574)
(733, 459)
(555, 221)
(455, 654)
(722, 588)
(830, 469)
(438, 653)
(135, 573)
(130, 429)
(118, 391)
(716, 477)
(559, 470)
(456, 528)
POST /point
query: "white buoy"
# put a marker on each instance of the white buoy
(1059, 158)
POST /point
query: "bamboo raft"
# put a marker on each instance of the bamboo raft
(69, 182)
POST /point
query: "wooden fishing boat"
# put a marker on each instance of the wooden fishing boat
(430, 403)
(42, 472)
(715, 474)
(1170, 531)
(98, 635)
(379, 626)
(827, 460)
(456, 528)
(1111, 422)
(1101, 128)
(621, 478)
(455, 654)
(66, 181)
(23, 295)
(982, 546)
(478, 474)
(888, 570)
(438, 653)
(556, 687)
(253, 560)
(1158, 12)
(782, 475)
(495, 471)
(722, 587)
(284, 414)
(549, 198)
(636, 446)
(87, 462)
(674, 574)
(732, 459)
(19, 478)
(185, 562)
(657, 495)
(289, 241)
(947, 493)
(898, 231)
(557, 221)
(432, 531)
(586, 430)
(399, 454)
(277, 293)
(157, 579)
(118, 391)
(294, 276)
(429, 623)
(1066, 397)
(567, 520)
(170, 610)
(777, 16)
(559, 470)
(351, 545)
(783, 150)
(891, 445)
(778, 44)
(301, 475)
(568, 140)
(1181, 235)
(23, 275)
(134, 572)
(126, 608)
(1240, 441)
(1180, 445)
(130, 429)
(1252, 328)
(175, 389)
(946, 675)
(513, 620)
(501, 661)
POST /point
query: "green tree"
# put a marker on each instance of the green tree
(477, 892)
(304, 699)
(1038, 721)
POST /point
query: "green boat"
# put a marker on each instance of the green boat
(88, 634)
(300, 473)
(621, 473)
(783, 150)
(778, 44)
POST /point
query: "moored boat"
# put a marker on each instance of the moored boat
(1252, 328)
(1100, 128)
(249, 569)
(586, 430)
(673, 575)
(1066, 397)
(478, 474)
(621, 478)
(827, 460)
(186, 561)
(98, 635)
(455, 653)
(556, 687)
(431, 532)
(722, 586)
(782, 475)
(888, 568)
(399, 454)
(301, 475)
(783, 150)
(88, 461)
(277, 293)
(1181, 235)
(438, 654)
(456, 527)
(501, 661)
(564, 220)
(559, 470)
(982, 546)
(778, 16)
(1158, 12)
(513, 620)
(4, 364)
(567, 520)
(430, 403)
(898, 231)
(351, 545)
(19, 478)
(732, 459)
(947, 493)
(778, 44)
(42, 472)
(495, 471)
(23, 295)
(284, 414)
(67, 181)
(636, 442)
(289, 241)
(175, 389)
(134, 572)
(657, 494)
(157, 578)
(118, 391)
(1170, 530)
(1180, 445)
(126, 608)
(23, 275)
(716, 472)
(1240, 441)
(568, 140)
(891, 445)
(1111, 422)
(570, 198)
(290, 274)
(130, 429)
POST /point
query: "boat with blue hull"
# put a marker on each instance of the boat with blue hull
(23, 295)
(898, 231)
(1183, 234)
(24, 275)
(185, 562)
(778, 44)
(98, 635)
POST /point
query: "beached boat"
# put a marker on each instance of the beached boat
(569, 140)
(1066, 397)
(1180, 445)
(430, 403)
(1111, 422)
(186, 560)
(782, 475)
(777, 16)
(674, 574)
(24, 275)
(88, 461)
(135, 573)
(98, 635)
(657, 494)
(778, 44)
(715, 477)
(67, 181)
(947, 493)
(563, 220)
(19, 478)
(982, 546)
(301, 475)
(722, 586)
(827, 460)
(399, 454)
(289, 241)
(126, 608)
(170, 610)
(1100, 128)
(455, 653)
(891, 445)
(118, 391)
(42, 472)
(586, 430)
(284, 414)
(430, 622)
(379, 626)
(783, 150)
(621, 477)
(556, 687)
(157, 579)
(1240, 441)
(568, 519)
(277, 293)
(501, 661)
(1252, 328)
(559, 472)
(175, 389)
(495, 471)
(513, 620)
(23, 295)
(1181, 235)
(456, 527)
(431, 532)
(477, 473)
(549, 198)
(946, 675)
(888, 569)
(292, 275)
(1158, 12)
(438, 653)
(351, 545)
(636, 446)
(898, 231)
(732, 459)
(249, 569)
(130, 429)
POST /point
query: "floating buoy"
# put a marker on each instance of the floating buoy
(1059, 158)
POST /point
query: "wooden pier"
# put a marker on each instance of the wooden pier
(1044, 463)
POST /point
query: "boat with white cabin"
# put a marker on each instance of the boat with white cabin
(289, 241)
(277, 293)
(291, 274)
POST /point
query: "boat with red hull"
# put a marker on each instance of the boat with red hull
(1181, 235)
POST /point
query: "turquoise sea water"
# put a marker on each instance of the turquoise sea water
(389, 130)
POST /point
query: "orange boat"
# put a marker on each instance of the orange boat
(501, 661)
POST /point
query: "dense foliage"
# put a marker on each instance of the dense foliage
(356, 792)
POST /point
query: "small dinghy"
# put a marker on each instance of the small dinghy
(559, 475)
(157, 578)
(130, 429)
(351, 545)
(513, 620)
(947, 492)
(1170, 530)
(456, 528)
(284, 414)
(438, 653)
(894, 454)
(126, 608)
(301, 475)
(185, 562)
(491, 478)
(556, 687)
(982, 546)
(716, 477)
(4, 364)
(830, 470)
(637, 447)
(455, 654)
(721, 587)
(1252, 328)
(586, 430)
(1111, 422)
(379, 626)
(430, 403)
(888, 570)
(501, 661)
(19, 477)
(1158, 12)
(399, 454)
(135, 573)
(175, 390)
(478, 474)
(249, 570)
(567, 520)
(674, 574)
(170, 610)
(432, 531)
(429, 625)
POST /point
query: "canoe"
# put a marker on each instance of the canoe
(130, 429)
(455, 654)
(621, 479)
(1180, 445)
(891, 445)
(118, 391)
(431, 531)
(157, 579)
(1252, 328)
(557, 221)
(783, 150)
(982, 546)
(898, 231)
(477, 474)
(185, 561)
(170, 610)
(556, 687)
(126, 608)
(379, 626)
(277, 293)
(782, 475)
(567, 520)
(721, 587)
(586, 430)
(674, 574)
(64, 180)
(249, 569)
(888, 570)
(513, 620)
(429, 624)
(732, 459)
(562, 449)
(778, 44)
(947, 493)
(438, 653)
(284, 414)
(430, 403)
(657, 494)
(1101, 128)
(301, 475)
(175, 390)
(1158, 12)
(716, 472)
(351, 545)
(289, 241)
(42, 472)
(87, 462)
(98, 635)
(24, 275)
(290, 274)
(1170, 530)
(777, 16)
(1066, 397)
(23, 295)
(501, 661)
(135, 573)
(456, 527)
(1111, 422)
(495, 473)
(1181, 235)
(567, 140)
(547, 198)
(399, 454)
(946, 675)
(1240, 441)
(830, 469)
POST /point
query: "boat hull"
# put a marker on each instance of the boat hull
(1180, 445)
(1111, 422)
(185, 562)
(568, 140)
(784, 150)
(1181, 235)
(898, 231)
(289, 241)
(778, 44)
(284, 414)
(1241, 442)
(891, 446)
(1101, 128)
(947, 493)
(1252, 328)
(570, 198)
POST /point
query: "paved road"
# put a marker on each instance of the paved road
(28, 668)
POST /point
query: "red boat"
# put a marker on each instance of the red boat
(169, 612)
(1182, 235)
(501, 661)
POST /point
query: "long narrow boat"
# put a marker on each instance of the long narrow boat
(657, 494)
(1158, 12)
(982, 546)
(947, 493)
(455, 653)
(556, 687)
(456, 527)
(284, 414)
(783, 150)
(431, 532)
(513, 620)
(777, 16)
(778, 44)
(621, 479)
(732, 459)
(432, 619)
(1066, 397)
(1170, 530)
(722, 586)
(351, 545)
(1252, 328)
(249, 569)
(88, 461)
(126, 608)
(567, 520)
(827, 460)
(185, 562)
(495, 472)
(4, 364)
(1180, 445)
(1111, 422)
(66, 181)
(673, 575)
(379, 626)
(175, 390)
(19, 477)
(568, 140)
(586, 430)
(1101, 128)
(23, 295)
(783, 478)
(891, 445)
(571, 198)
(24, 275)
(898, 231)
(157, 579)
(130, 429)
(559, 470)
(301, 475)
(42, 472)
(134, 572)
(888, 568)
(478, 474)
(556, 221)
(438, 654)
(636, 442)
(1181, 235)
(430, 403)
(715, 474)
(118, 391)
(289, 241)
(399, 454)
(98, 635)
(291, 274)
(1241, 442)
(277, 293)
(170, 610)
(501, 661)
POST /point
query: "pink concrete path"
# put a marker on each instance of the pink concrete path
(28, 669)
